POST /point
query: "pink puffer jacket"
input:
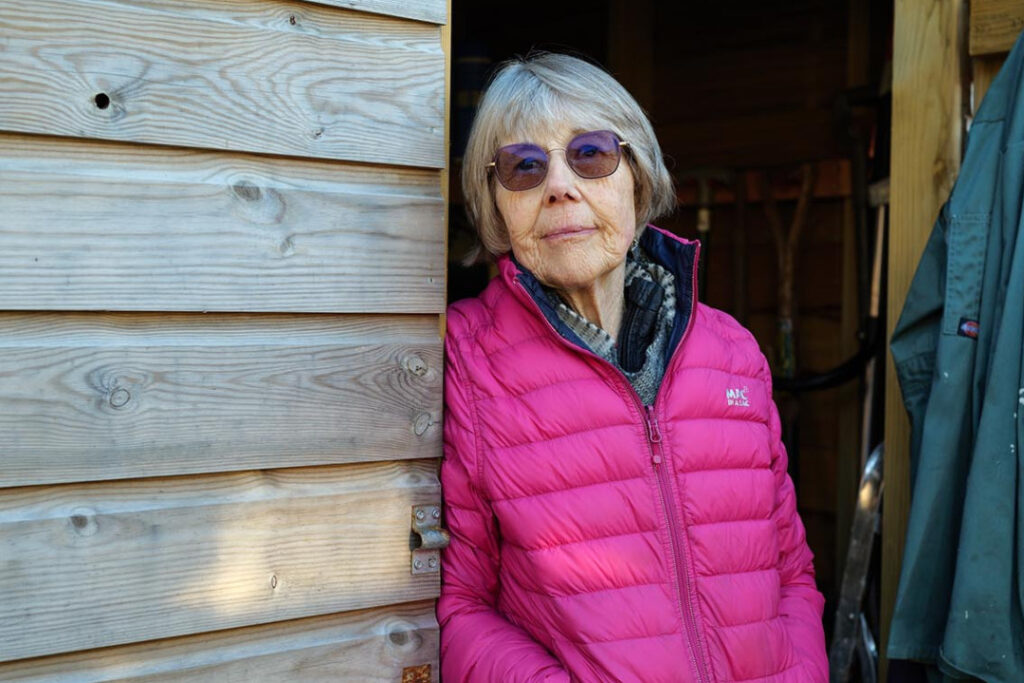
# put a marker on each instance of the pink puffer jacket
(596, 540)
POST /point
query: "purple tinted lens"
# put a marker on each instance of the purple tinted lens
(594, 155)
(521, 166)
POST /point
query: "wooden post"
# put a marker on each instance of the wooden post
(446, 45)
(927, 133)
(995, 25)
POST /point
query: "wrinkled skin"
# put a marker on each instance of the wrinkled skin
(573, 233)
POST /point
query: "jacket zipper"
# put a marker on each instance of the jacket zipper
(684, 581)
(687, 592)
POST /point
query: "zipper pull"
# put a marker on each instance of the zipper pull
(653, 433)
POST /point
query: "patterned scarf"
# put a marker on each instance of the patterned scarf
(649, 311)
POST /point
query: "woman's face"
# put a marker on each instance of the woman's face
(569, 231)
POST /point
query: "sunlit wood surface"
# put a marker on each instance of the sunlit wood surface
(93, 565)
(927, 133)
(369, 646)
(222, 279)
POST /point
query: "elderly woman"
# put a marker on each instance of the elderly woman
(615, 483)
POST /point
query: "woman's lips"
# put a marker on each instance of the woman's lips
(569, 232)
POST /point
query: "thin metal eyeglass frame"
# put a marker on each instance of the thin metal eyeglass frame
(547, 152)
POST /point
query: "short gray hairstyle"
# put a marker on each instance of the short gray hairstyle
(546, 89)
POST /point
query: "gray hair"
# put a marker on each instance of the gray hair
(543, 90)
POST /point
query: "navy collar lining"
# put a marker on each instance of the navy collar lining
(676, 256)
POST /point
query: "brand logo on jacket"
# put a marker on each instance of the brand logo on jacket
(968, 328)
(737, 397)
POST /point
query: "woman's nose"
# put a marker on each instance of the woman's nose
(561, 181)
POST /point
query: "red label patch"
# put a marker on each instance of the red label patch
(968, 328)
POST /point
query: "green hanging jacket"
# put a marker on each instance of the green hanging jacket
(958, 354)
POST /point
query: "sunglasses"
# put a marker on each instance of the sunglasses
(523, 166)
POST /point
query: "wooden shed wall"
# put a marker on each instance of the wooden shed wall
(222, 253)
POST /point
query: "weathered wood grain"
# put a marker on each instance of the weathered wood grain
(273, 76)
(92, 565)
(369, 646)
(995, 25)
(91, 397)
(434, 11)
(109, 226)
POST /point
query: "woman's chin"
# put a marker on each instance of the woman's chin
(572, 264)
(572, 275)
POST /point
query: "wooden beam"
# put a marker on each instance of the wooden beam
(90, 397)
(108, 226)
(447, 173)
(369, 646)
(273, 77)
(434, 11)
(927, 134)
(94, 565)
(833, 181)
(995, 25)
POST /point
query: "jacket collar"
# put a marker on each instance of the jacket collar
(678, 255)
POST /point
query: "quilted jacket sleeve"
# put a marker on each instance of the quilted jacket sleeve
(478, 645)
(800, 604)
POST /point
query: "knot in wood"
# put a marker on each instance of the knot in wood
(119, 397)
(247, 191)
(83, 522)
(257, 204)
(416, 365)
(421, 424)
(403, 635)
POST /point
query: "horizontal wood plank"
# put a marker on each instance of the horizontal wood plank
(369, 646)
(995, 25)
(94, 565)
(109, 226)
(434, 11)
(273, 76)
(92, 396)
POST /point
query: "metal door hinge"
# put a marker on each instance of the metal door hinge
(427, 539)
